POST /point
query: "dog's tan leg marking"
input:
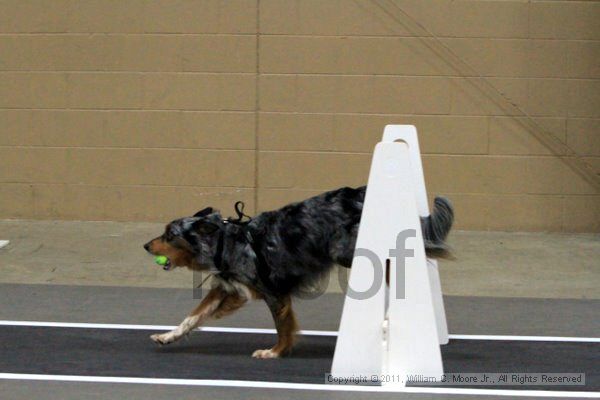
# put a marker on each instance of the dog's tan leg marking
(230, 304)
(205, 309)
(217, 304)
(285, 322)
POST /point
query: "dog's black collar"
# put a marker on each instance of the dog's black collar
(239, 210)
(218, 258)
(254, 241)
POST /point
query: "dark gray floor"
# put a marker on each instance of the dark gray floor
(211, 355)
(122, 305)
(467, 315)
(17, 390)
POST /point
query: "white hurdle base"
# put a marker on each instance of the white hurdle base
(404, 340)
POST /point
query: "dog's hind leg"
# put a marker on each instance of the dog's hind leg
(207, 307)
(285, 322)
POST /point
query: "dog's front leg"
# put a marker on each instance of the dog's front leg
(205, 309)
(285, 322)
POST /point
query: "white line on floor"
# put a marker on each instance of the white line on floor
(527, 338)
(155, 327)
(273, 331)
(299, 386)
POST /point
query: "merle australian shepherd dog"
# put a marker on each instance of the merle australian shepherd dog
(274, 255)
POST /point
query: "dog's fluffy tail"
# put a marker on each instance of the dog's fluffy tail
(436, 228)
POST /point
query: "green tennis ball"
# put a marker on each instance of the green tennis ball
(161, 260)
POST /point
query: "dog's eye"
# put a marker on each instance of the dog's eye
(168, 236)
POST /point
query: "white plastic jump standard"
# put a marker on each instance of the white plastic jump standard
(408, 134)
(405, 340)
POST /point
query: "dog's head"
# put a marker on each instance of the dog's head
(190, 241)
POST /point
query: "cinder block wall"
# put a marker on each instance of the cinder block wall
(150, 109)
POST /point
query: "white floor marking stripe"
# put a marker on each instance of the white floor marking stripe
(527, 338)
(272, 331)
(155, 327)
(299, 386)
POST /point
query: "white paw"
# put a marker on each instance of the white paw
(163, 338)
(267, 353)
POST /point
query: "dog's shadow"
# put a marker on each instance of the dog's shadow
(216, 347)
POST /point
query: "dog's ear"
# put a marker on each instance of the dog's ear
(204, 213)
(205, 227)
